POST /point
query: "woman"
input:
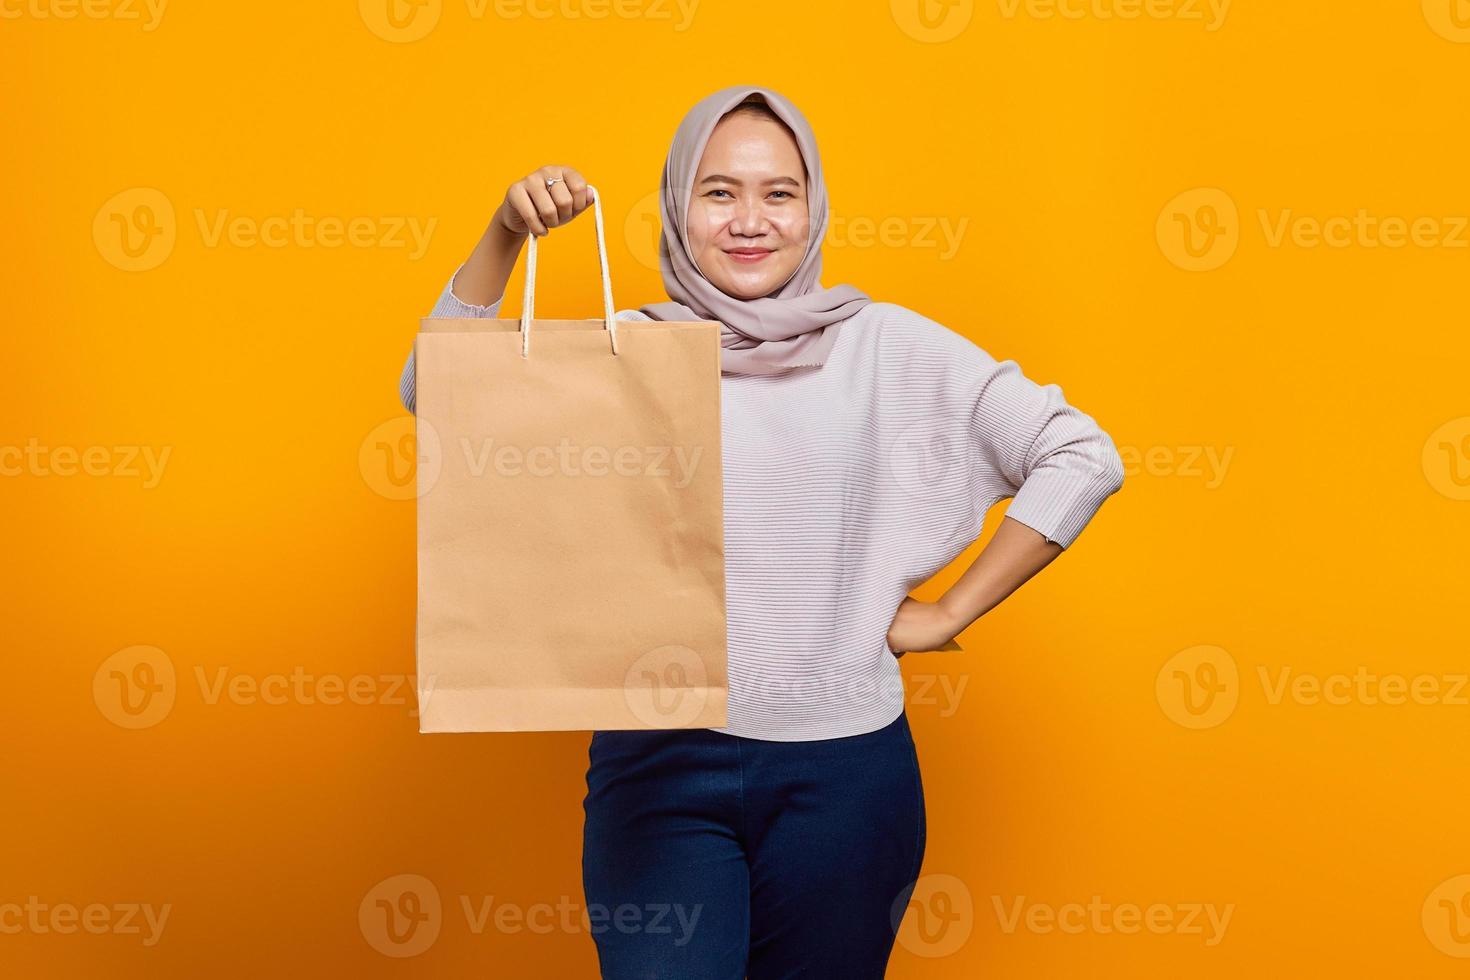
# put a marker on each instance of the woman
(786, 844)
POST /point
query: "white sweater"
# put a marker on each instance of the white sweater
(847, 485)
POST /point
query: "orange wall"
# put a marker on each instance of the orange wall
(1241, 690)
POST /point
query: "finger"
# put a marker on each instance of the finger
(562, 198)
(541, 199)
(520, 199)
(577, 184)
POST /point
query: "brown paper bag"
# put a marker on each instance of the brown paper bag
(570, 526)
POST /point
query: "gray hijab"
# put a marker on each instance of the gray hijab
(796, 325)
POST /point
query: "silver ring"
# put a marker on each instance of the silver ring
(551, 180)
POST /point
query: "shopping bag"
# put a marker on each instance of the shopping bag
(570, 521)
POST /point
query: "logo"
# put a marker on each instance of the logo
(932, 21)
(1450, 19)
(401, 916)
(1446, 459)
(1199, 230)
(400, 21)
(928, 464)
(135, 687)
(1198, 687)
(1446, 916)
(667, 687)
(642, 229)
(943, 916)
(401, 459)
(136, 229)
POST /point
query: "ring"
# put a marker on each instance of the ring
(551, 180)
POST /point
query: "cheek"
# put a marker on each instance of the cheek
(794, 227)
(701, 234)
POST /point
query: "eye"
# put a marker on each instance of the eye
(783, 192)
(717, 190)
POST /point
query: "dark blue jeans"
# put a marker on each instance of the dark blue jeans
(712, 857)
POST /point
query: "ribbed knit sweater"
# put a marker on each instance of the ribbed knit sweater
(847, 485)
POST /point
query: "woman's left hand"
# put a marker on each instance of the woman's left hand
(922, 626)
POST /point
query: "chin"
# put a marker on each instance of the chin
(748, 289)
(747, 292)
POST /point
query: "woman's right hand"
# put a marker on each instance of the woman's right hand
(532, 207)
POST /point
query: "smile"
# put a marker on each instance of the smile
(748, 255)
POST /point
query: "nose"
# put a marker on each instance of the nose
(749, 218)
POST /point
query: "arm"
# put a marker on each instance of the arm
(1060, 466)
(530, 207)
(449, 305)
(484, 274)
(1014, 555)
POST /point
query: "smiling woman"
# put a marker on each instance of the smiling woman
(744, 209)
(861, 444)
(748, 229)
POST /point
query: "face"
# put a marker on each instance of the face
(748, 208)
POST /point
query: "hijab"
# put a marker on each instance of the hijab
(796, 325)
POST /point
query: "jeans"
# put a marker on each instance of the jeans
(707, 856)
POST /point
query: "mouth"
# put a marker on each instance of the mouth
(748, 256)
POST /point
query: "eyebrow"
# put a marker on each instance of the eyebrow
(712, 178)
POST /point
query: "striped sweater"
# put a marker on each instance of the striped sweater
(847, 485)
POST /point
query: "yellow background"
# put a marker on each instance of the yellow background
(1072, 764)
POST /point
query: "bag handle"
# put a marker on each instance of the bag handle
(528, 302)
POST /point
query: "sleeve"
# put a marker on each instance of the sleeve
(449, 305)
(1057, 463)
